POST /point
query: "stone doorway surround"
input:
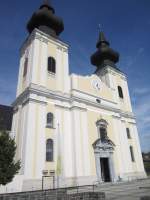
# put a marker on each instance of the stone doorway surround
(104, 149)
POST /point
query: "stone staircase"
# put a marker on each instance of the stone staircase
(134, 190)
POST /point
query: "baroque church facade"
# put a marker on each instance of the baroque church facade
(78, 128)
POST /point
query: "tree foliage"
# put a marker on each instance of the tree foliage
(8, 167)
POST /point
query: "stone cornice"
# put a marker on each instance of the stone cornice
(113, 71)
(43, 37)
(72, 100)
(96, 97)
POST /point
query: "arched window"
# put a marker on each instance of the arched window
(51, 65)
(128, 133)
(120, 92)
(49, 150)
(50, 120)
(132, 154)
(25, 67)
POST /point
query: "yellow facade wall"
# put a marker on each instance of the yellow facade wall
(50, 134)
(93, 117)
(124, 103)
(85, 85)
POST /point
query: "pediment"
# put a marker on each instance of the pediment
(105, 145)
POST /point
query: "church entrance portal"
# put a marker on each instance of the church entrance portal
(103, 150)
(105, 171)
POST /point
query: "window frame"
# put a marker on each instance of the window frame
(128, 133)
(50, 120)
(132, 154)
(103, 133)
(102, 124)
(25, 67)
(51, 65)
(49, 150)
(120, 92)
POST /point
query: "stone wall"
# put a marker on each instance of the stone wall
(53, 195)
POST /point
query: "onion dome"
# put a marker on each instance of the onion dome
(45, 20)
(104, 55)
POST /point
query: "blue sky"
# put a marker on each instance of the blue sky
(126, 24)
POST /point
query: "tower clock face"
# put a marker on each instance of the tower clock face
(96, 84)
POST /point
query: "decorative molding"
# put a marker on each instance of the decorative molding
(134, 123)
(62, 106)
(79, 108)
(127, 115)
(113, 71)
(103, 146)
(117, 117)
(50, 38)
(96, 97)
(43, 37)
(62, 49)
(34, 101)
(102, 123)
(42, 91)
(123, 121)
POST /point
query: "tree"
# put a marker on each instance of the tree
(8, 167)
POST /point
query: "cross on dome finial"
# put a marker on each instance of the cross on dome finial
(46, 2)
(99, 27)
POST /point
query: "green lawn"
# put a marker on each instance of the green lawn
(147, 167)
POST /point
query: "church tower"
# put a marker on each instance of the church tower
(105, 59)
(44, 57)
(43, 74)
(125, 135)
(80, 129)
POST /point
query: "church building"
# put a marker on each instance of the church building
(78, 129)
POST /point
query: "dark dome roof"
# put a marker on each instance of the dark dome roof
(45, 20)
(104, 54)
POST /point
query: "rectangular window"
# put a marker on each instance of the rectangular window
(132, 154)
(128, 133)
(103, 133)
(25, 67)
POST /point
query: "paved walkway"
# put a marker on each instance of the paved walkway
(134, 190)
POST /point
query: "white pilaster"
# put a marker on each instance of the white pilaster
(59, 70)
(68, 166)
(117, 153)
(137, 150)
(23, 132)
(59, 141)
(43, 64)
(85, 138)
(77, 143)
(40, 141)
(127, 95)
(125, 148)
(29, 140)
(35, 60)
(66, 73)
(20, 76)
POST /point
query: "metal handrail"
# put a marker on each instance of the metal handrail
(95, 183)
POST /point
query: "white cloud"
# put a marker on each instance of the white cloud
(132, 59)
(141, 91)
(141, 108)
(140, 50)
